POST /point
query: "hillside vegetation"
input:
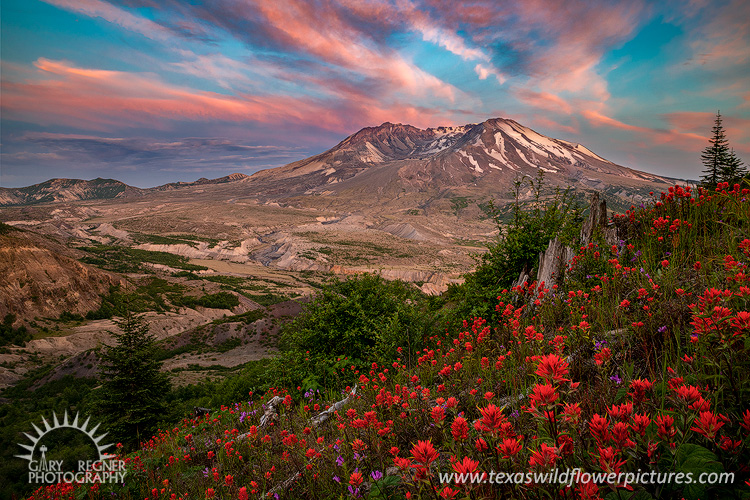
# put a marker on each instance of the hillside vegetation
(637, 362)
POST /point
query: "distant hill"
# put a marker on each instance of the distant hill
(58, 190)
(65, 190)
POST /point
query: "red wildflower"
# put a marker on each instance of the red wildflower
(708, 424)
(640, 423)
(602, 356)
(424, 453)
(355, 479)
(572, 412)
(621, 412)
(688, 393)
(509, 447)
(438, 414)
(242, 494)
(639, 388)
(545, 456)
(481, 445)
(460, 428)
(664, 426)
(448, 493)
(552, 368)
(599, 427)
(210, 493)
(746, 420)
(402, 463)
(608, 460)
(229, 480)
(742, 320)
(358, 445)
(543, 394)
(466, 466)
(492, 419)
(588, 491)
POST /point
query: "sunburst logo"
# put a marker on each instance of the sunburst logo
(44, 470)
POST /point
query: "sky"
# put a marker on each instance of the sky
(156, 91)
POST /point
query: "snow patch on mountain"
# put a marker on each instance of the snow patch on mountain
(471, 159)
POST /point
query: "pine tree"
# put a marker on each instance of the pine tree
(132, 397)
(716, 155)
(733, 171)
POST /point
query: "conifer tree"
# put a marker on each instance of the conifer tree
(132, 397)
(733, 171)
(716, 155)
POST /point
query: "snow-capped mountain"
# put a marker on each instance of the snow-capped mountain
(487, 156)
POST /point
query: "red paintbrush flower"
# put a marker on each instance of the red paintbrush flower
(544, 457)
(509, 447)
(543, 395)
(492, 419)
(424, 453)
(707, 424)
(355, 479)
(460, 428)
(466, 466)
(552, 368)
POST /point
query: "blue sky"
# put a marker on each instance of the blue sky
(150, 91)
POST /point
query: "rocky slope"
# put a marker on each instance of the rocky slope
(37, 278)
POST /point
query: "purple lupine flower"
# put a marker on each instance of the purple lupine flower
(376, 475)
(616, 379)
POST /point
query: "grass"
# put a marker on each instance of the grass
(130, 260)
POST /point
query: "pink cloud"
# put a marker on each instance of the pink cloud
(546, 122)
(544, 100)
(723, 40)
(596, 118)
(332, 39)
(64, 94)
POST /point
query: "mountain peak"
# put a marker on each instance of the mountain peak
(491, 153)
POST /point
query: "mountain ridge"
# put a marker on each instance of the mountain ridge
(391, 158)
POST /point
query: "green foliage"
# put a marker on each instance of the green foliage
(220, 300)
(364, 317)
(156, 295)
(7, 229)
(523, 234)
(254, 376)
(191, 240)
(458, 203)
(129, 260)
(26, 404)
(10, 335)
(131, 400)
(722, 165)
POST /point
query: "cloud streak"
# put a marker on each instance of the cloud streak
(319, 70)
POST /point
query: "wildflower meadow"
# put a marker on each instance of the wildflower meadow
(633, 368)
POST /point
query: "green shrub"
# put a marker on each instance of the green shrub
(524, 232)
(10, 335)
(363, 318)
